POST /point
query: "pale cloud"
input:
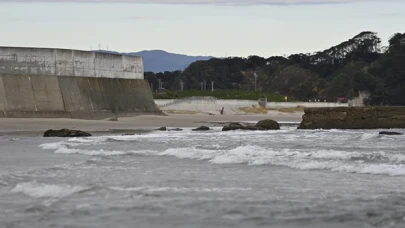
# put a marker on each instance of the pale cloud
(216, 2)
(145, 18)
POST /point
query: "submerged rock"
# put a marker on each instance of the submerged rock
(233, 126)
(390, 133)
(255, 128)
(176, 129)
(202, 128)
(262, 125)
(66, 133)
(268, 124)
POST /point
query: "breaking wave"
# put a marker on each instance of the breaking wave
(339, 161)
(40, 190)
(363, 152)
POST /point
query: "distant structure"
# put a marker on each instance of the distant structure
(62, 83)
(359, 100)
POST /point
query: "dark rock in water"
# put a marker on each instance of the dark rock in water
(390, 133)
(162, 129)
(255, 128)
(66, 133)
(262, 125)
(268, 124)
(233, 127)
(202, 128)
(238, 126)
(176, 129)
(113, 119)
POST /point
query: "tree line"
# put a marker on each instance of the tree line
(360, 64)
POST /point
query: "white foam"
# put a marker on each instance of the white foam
(191, 153)
(396, 158)
(333, 160)
(40, 190)
(51, 146)
(151, 189)
(82, 140)
(367, 136)
(57, 145)
(64, 150)
(386, 160)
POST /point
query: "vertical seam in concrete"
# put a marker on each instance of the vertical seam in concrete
(88, 94)
(94, 65)
(61, 95)
(73, 64)
(102, 94)
(56, 57)
(33, 93)
(4, 97)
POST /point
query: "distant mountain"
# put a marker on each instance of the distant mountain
(160, 61)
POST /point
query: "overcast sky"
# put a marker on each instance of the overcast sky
(197, 27)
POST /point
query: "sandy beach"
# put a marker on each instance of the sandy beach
(146, 122)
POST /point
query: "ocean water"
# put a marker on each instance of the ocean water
(287, 178)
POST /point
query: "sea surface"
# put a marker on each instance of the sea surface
(287, 178)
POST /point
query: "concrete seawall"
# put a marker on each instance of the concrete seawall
(354, 118)
(56, 83)
(66, 62)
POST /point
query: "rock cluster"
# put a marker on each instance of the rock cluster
(202, 128)
(66, 133)
(262, 125)
(386, 117)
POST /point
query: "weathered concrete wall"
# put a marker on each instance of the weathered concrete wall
(232, 106)
(64, 62)
(354, 118)
(58, 83)
(75, 97)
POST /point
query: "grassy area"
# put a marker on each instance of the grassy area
(254, 110)
(290, 110)
(171, 111)
(220, 94)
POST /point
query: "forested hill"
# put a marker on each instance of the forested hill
(160, 61)
(359, 64)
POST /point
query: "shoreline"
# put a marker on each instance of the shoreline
(35, 126)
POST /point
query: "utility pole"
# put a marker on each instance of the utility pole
(212, 86)
(255, 82)
(160, 83)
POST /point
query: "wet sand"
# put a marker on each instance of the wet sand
(144, 122)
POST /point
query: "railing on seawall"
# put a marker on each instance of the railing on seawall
(187, 100)
(204, 101)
